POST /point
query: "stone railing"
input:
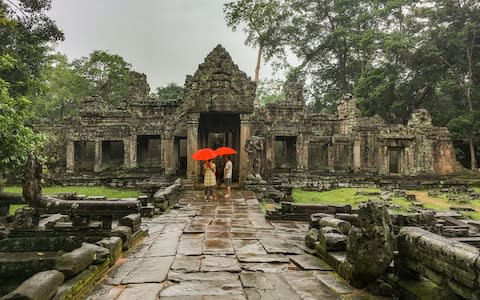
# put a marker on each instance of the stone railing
(76, 272)
(445, 262)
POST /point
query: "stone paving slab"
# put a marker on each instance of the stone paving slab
(121, 270)
(273, 245)
(220, 263)
(310, 262)
(148, 270)
(308, 286)
(266, 267)
(248, 247)
(106, 292)
(336, 284)
(263, 258)
(190, 247)
(187, 264)
(217, 246)
(203, 288)
(147, 291)
(268, 286)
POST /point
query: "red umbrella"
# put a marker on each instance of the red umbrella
(225, 151)
(204, 154)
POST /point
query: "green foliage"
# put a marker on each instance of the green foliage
(170, 91)
(63, 89)
(106, 75)
(269, 90)
(82, 190)
(16, 139)
(25, 34)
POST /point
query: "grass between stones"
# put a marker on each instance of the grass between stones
(110, 193)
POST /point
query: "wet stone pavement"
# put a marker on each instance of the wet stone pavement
(221, 249)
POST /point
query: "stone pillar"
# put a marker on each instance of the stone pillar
(98, 156)
(383, 159)
(245, 133)
(302, 153)
(70, 157)
(269, 141)
(168, 153)
(192, 145)
(130, 152)
(357, 155)
(331, 157)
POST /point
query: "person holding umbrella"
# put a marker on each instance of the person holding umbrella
(209, 180)
(227, 167)
(227, 174)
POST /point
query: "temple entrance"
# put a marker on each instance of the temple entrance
(221, 129)
(394, 160)
(180, 155)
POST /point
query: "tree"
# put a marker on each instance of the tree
(454, 30)
(170, 91)
(16, 139)
(260, 18)
(26, 37)
(108, 75)
(62, 90)
(25, 34)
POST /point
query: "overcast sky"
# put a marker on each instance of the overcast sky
(165, 39)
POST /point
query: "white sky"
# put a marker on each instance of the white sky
(165, 39)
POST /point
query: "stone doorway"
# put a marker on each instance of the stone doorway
(394, 160)
(180, 155)
(149, 151)
(221, 129)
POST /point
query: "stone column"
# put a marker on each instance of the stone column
(192, 145)
(130, 152)
(302, 152)
(70, 157)
(168, 152)
(245, 133)
(269, 141)
(357, 155)
(98, 156)
(383, 159)
(330, 157)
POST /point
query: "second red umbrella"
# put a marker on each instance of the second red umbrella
(225, 151)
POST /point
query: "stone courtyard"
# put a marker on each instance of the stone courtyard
(222, 249)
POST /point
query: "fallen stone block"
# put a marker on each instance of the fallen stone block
(125, 233)
(133, 221)
(101, 253)
(114, 245)
(311, 238)
(40, 286)
(72, 263)
(343, 226)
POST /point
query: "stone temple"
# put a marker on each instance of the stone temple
(145, 137)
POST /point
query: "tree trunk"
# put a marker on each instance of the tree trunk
(473, 159)
(259, 60)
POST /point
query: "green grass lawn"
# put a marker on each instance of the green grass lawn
(83, 190)
(344, 196)
(80, 190)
